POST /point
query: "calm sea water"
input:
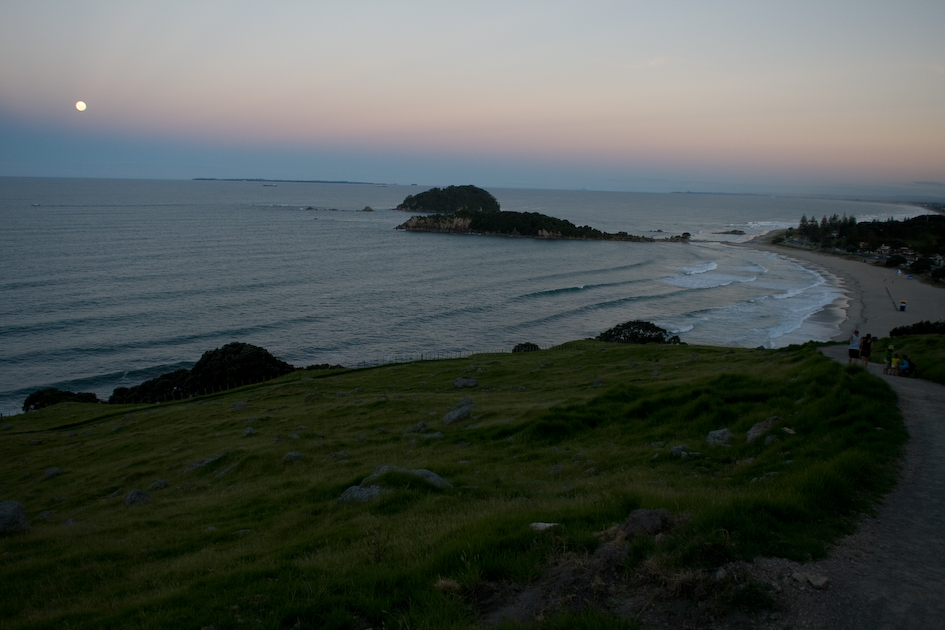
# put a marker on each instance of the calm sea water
(107, 283)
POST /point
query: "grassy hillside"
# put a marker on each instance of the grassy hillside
(578, 436)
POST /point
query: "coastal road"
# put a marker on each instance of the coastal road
(891, 573)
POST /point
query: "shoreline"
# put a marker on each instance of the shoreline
(871, 294)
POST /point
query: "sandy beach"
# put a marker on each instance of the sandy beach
(873, 294)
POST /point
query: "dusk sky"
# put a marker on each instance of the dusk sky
(782, 97)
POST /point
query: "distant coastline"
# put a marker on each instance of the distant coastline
(289, 181)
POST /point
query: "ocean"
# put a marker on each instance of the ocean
(107, 283)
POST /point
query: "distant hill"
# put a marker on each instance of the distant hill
(451, 199)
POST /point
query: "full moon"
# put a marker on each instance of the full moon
(80, 105)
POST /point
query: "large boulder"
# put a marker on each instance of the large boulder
(12, 518)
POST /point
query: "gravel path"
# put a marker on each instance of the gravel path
(891, 573)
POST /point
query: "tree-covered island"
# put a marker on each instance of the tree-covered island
(471, 210)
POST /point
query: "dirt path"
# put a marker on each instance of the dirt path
(890, 574)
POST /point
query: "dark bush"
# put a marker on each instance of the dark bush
(232, 365)
(526, 347)
(895, 261)
(325, 366)
(919, 328)
(52, 396)
(236, 363)
(637, 332)
(938, 274)
(920, 265)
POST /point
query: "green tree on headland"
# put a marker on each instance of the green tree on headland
(451, 199)
(637, 332)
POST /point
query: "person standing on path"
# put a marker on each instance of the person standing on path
(854, 348)
(866, 349)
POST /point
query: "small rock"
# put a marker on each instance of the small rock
(360, 494)
(382, 399)
(719, 574)
(116, 427)
(431, 436)
(137, 497)
(770, 439)
(658, 444)
(761, 428)
(12, 518)
(799, 577)
(818, 581)
(242, 404)
(310, 397)
(598, 383)
(679, 451)
(249, 431)
(301, 427)
(294, 436)
(456, 414)
(721, 437)
(209, 528)
(204, 462)
(291, 457)
(556, 470)
(465, 381)
(69, 522)
(46, 515)
(338, 455)
(160, 484)
(218, 474)
(789, 431)
(240, 532)
(52, 472)
(540, 527)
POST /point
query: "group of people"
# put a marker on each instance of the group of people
(860, 349)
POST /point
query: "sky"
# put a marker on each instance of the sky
(787, 97)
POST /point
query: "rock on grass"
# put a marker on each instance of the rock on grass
(12, 518)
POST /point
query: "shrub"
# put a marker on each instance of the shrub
(233, 364)
(919, 328)
(526, 347)
(52, 396)
(895, 261)
(637, 332)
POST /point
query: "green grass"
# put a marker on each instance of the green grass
(559, 435)
(927, 351)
